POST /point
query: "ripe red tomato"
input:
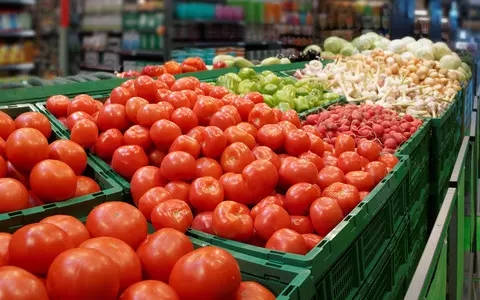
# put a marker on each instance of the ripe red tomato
(70, 153)
(208, 167)
(3, 167)
(107, 143)
(292, 117)
(325, 213)
(84, 133)
(377, 170)
(293, 170)
(369, 149)
(7, 125)
(138, 135)
(260, 115)
(127, 261)
(244, 107)
(162, 94)
(272, 136)
(53, 181)
(168, 78)
(120, 95)
(204, 109)
(148, 114)
(311, 240)
(266, 153)
(25, 147)
(14, 195)
(236, 188)
(185, 118)
(222, 120)
(202, 222)
(389, 160)
(186, 144)
(287, 240)
(249, 128)
(286, 126)
(83, 103)
(86, 186)
(346, 195)
(155, 157)
(34, 247)
(132, 106)
(260, 188)
(57, 105)
(145, 87)
(363, 181)
(301, 224)
(163, 133)
(229, 99)
(149, 289)
(172, 213)
(329, 175)
(330, 160)
(96, 276)
(316, 144)
(265, 201)
(363, 195)
(344, 143)
(179, 190)
(178, 165)
(236, 157)
(278, 114)
(314, 158)
(34, 120)
(235, 134)
(178, 99)
(297, 142)
(213, 142)
(128, 159)
(184, 83)
(4, 242)
(192, 97)
(151, 198)
(218, 92)
(205, 193)
(250, 290)
(144, 179)
(270, 218)
(22, 176)
(18, 284)
(76, 231)
(77, 116)
(349, 161)
(206, 87)
(172, 67)
(299, 197)
(232, 220)
(113, 116)
(119, 220)
(255, 97)
(212, 273)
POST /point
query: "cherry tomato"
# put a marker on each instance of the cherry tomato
(119, 220)
(249, 128)
(53, 181)
(369, 149)
(208, 167)
(14, 195)
(172, 213)
(151, 198)
(34, 120)
(204, 109)
(388, 159)
(77, 116)
(272, 136)
(145, 87)
(76, 231)
(293, 170)
(185, 118)
(205, 193)
(70, 153)
(265, 201)
(349, 161)
(297, 142)
(346, 195)
(127, 261)
(18, 284)
(163, 133)
(287, 240)
(113, 116)
(213, 142)
(186, 144)
(299, 197)
(25, 147)
(363, 181)
(156, 157)
(107, 143)
(255, 97)
(311, 240)
(260, 115)
(4, 242)
(301, 224)
(58, 105)
(377, 170)
(84, 133)
(235, 134)
(149, 289)
(212, 273)
(86, 186)
(179, 190)
(95, 277)
(83, 103)
(314, 158)
(329, 175)
(144, 179)
(132, 106)
(203, 222)
(250, 290)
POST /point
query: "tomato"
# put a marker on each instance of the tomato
(299, 197)
(295, 170)
(265, 201)
(349, 161)
(260, 115)
(205, 193)
(192, 97)
(363, 195)
(34, 120)
(301, 224)
(311, 240)
(255, 97)
(292, 117)
(84, 133)
(344, 143)
(113, 116)
(163, 133)
(272, 136)
(172, 213)
(168, 78)
(250, 290)
(18, 284)
(57, 105)
(4, 243)
(127, 261)
(265, 153)
(287, 240)
(286, 126)
(138, 135)
(222, 120)
(53, 181)
(179, 190)
(297, 142)
(204, 109)
(203, 222)
(236, 157)
(260, 188)
(132, 107)
(145, 87)
(208, 167)
(149, 289)
(270, 218)
(364, 162)
(211, 273)
(22, 176)
(119, 220)
(377, 170)
(128, 159)
(232, 220)
(172, 67)
(244, 107)
(151, 198)
(206, 87)
(14, 195)
(120, 95)
(99, 105)
(214, 142)
(316, 144)
(235, 134)
(327, 147)
(178, 99)
(83, 103)
(330, 161)
(389, 160)
(314, 158)
(95, 277)
(34, 247)
(229, 99)
(3, 167)
(218, 92)
(185, 119)
(186, 144)
(325, 213)
(278, 114)
(178, 165)
(148, 114)
(70, 153)
(7, 125)
(77, 116)
(76, 231)
(155, 157)
(236, 188)
(363, 181)
(86, 186)
(25, 147)
(249, 128)
(329, 175)
(346, 195)
(144, 179)
(369, 149)
(162, 95)
(184, 83)
(107, 142)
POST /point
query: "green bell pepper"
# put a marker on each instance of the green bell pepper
(247, 86)
(247, 73)
(301, 104)
(268, 99)
(270, 89)
(284, 106)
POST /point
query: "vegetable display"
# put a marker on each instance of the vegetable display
(191, 64)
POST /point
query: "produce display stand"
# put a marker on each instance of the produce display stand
(78, 207)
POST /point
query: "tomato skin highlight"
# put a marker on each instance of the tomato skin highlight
(149, 289)
(25, 147)
(53, 181)
(172, 213)
(14, 195)
(325, 214)
(233, 221)
(251, 290)
(18, 284)
(287, 240)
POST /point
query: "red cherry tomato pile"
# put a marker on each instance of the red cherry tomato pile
(32, 172)
(191, 64)
(197, 156)
(364, 121)
(110, 258)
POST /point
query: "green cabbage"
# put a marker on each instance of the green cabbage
(334, 44)
(412, 47)
(425, 41)
(440, 49)
(450, 62)
(408, 39)
(362, 43)
(425, 52)
(397, 46)
(382, 43)
(348, 50)
(327, 54)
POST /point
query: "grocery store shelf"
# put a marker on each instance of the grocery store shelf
(186, 44)
(98, 68)
(16, 33)
(89, 31)
(213, 21)
(17, 67)
(17, 2)
(143, 53)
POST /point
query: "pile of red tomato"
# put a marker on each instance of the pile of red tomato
(34, 172)
(197, 156)
(191, 64)
(111, 258)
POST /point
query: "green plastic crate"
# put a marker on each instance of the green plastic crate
(281, 67)
(210, 75)
(78, 207)
(418, 195)
(303, 115)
